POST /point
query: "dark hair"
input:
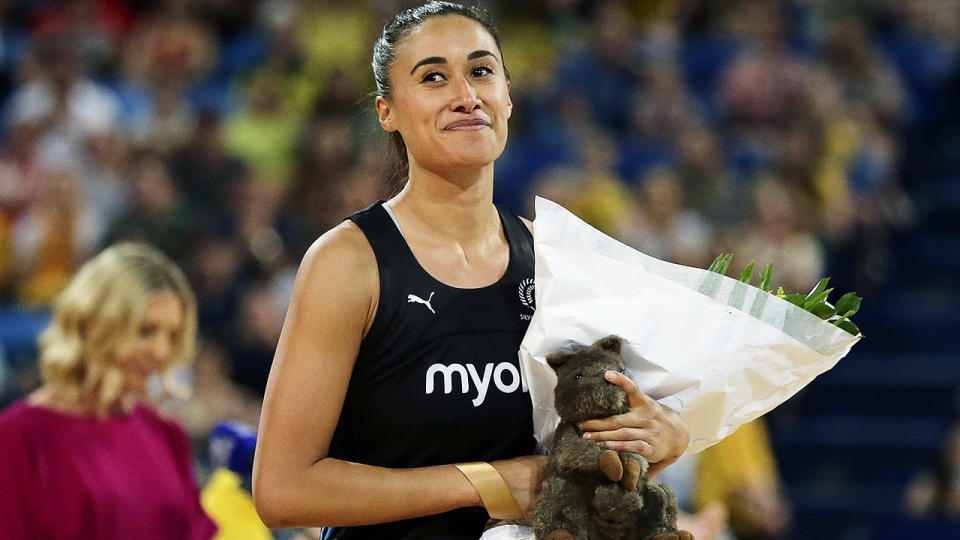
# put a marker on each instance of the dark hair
(384, 54)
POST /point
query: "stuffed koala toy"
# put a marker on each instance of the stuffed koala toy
(593, 492)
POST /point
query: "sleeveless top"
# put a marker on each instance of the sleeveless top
(437, 379)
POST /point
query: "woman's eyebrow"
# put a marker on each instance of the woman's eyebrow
(441, 60)
(479, 53)
(429, 60)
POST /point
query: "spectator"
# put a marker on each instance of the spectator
(256, 334)
(863, 74)
(663, 226)
(711, 186)
(201, 168)
(664, 106)
(158, 212)
(215, 396)
(89, 457)
(740, 473)
(935, 492)
(781, 233)
(603, 71)
(264, 132)
(766, 82)
(61, 98)
(51, 236)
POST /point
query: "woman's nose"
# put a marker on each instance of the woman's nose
(465, 96)
(162, 347)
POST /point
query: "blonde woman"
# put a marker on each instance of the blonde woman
(85, 456)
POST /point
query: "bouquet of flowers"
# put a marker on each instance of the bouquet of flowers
(718, 350)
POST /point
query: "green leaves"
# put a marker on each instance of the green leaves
(848, 304)
(821, 286)
(795, 299)
(820, 298)
(721, 263)
(848, 326)
(764, 284)
(824, 311)
(816, 301)
(747, 274)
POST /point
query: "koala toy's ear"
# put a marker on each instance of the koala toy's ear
(556, 359)
(611, 343)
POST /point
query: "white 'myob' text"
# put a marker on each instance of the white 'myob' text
(467, 374)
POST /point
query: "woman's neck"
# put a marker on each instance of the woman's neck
(457, 207)
(49, 397)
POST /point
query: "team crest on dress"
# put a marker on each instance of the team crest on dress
(526, 293)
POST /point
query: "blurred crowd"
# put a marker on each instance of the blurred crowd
(232, 133)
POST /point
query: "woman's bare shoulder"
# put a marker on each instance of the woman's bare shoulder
(339, 270)
(343, 250)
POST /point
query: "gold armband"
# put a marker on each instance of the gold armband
(492, 489)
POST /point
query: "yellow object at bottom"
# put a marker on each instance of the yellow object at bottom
(231, 508)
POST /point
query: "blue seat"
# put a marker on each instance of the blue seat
(19, 329)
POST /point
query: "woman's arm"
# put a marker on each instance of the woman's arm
(295, 484)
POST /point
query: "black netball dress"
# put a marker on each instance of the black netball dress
(437, 379)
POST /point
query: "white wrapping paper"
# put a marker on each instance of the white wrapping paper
(719, 352)
(509, 531)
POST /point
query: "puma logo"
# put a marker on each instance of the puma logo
(418, 300)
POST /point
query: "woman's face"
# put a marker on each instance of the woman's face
(156, 339)
(450, 97)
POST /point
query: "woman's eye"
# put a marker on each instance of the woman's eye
(147, 331)
(432, 77)
(480, 71)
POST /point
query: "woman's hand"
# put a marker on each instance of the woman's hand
(523, 476)
(648, 428)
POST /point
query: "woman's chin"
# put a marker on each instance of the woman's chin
(457, 161)
(474, 150)
(136, 386)
(466, 164)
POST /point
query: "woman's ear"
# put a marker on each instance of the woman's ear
(385, 114)
(509, 101)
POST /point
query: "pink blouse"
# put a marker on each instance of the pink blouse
(64, 476)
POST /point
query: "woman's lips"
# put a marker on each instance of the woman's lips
(467, 125)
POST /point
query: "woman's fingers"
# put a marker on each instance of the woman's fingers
(622, 434)
(642, 411)
(640, 441)
(626, 420)
(645, 449)
(635, 397)
(648, 428)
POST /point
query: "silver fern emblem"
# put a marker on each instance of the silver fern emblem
(526, 293)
